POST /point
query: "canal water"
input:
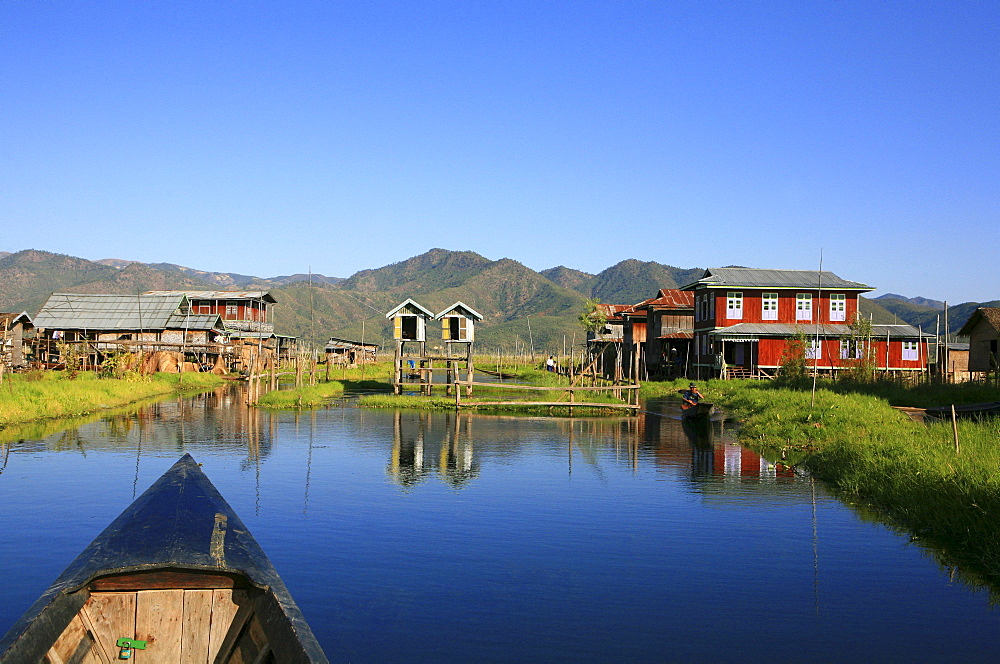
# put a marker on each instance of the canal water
(410, 536)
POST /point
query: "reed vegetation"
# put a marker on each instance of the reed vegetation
(52, 394)
(911, 475)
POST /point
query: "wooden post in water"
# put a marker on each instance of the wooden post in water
(954, 428)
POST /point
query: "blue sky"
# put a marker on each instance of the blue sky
(268, 138)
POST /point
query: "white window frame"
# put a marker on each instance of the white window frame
(910, 351)
(814, 349)
(769, 306)
(838, 307)
(734, 305)
(845, 349)
(803, 306)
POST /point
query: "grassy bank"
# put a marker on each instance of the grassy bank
(908, 474)
(51, 394)
(371, 377)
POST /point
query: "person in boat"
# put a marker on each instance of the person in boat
(691, 396)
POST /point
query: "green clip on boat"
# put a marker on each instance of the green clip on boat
(175, 578)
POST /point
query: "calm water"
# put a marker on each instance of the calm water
(430, 537)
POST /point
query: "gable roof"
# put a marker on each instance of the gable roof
(990, 314)
(219, 295)
(756, 278)
(86, 311)
(10, 319)
(469, 311)
(671, 298)
(755, 330)
(411, 304)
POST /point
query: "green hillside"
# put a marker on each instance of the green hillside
(30, 276)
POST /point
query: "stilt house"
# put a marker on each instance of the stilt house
(111, 323)
(13, 330)
(745, 319)
(983, 330)
(458, 323)
(409, 321)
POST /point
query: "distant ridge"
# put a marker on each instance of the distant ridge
(921, 301)
(521, 306)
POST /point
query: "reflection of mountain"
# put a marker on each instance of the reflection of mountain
(423, 443)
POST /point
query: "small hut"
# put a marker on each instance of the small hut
(458, 323)
(13, 329)
(409, 321)
(983, 330)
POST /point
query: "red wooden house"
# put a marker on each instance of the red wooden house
(245, 311)
(745, 318)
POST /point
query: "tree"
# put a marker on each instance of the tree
(860, 354)
(793, 359)
(593, 318)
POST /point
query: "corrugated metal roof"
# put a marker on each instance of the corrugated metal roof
(756, 278)
(410, 304)
(470, 312)
(219, 295)
(828, 330)
(672, 298)
(85, 311)
(677, 335)
(195, 322)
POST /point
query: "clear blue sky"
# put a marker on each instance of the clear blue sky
(268, 137)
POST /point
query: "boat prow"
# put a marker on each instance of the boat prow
(178, 578)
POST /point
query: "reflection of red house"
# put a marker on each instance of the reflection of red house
(744, 319)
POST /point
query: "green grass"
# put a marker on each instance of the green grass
(44, 395)
(885, 464)
(309, 396)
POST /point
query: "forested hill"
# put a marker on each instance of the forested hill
(520, 305)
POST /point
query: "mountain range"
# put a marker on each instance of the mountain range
(522, 307)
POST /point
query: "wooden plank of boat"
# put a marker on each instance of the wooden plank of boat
(972, 410)
(702, 410)
(177, 577)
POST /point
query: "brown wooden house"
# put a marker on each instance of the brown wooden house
(14, 329)
(983, 330)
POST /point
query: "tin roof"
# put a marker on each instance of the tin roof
(334, 342)
(10, 319)
(827, 330)
(757, 278)
(671, 298)
(179, 321)
(85, 311)
(219, 295)
(459, 306)
(408, 303)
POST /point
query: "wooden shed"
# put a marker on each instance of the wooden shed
(983, 330)
(458, 323)
(409, 321)
(13, 328)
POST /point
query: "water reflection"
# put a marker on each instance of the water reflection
(424, 443)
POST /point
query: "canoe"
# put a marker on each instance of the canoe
(702, 411)
(966, 411)
(177, 577)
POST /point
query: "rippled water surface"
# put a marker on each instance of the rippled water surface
(409, 536)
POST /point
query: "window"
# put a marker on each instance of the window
(769, 306)
(232, 309)
(734, 305)
(910, 351)
(803, 306)
(814, 349)
(838, 306)
(851, 349)
(711, 306)
(697, 307)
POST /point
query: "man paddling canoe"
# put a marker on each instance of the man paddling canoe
(691, 396)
